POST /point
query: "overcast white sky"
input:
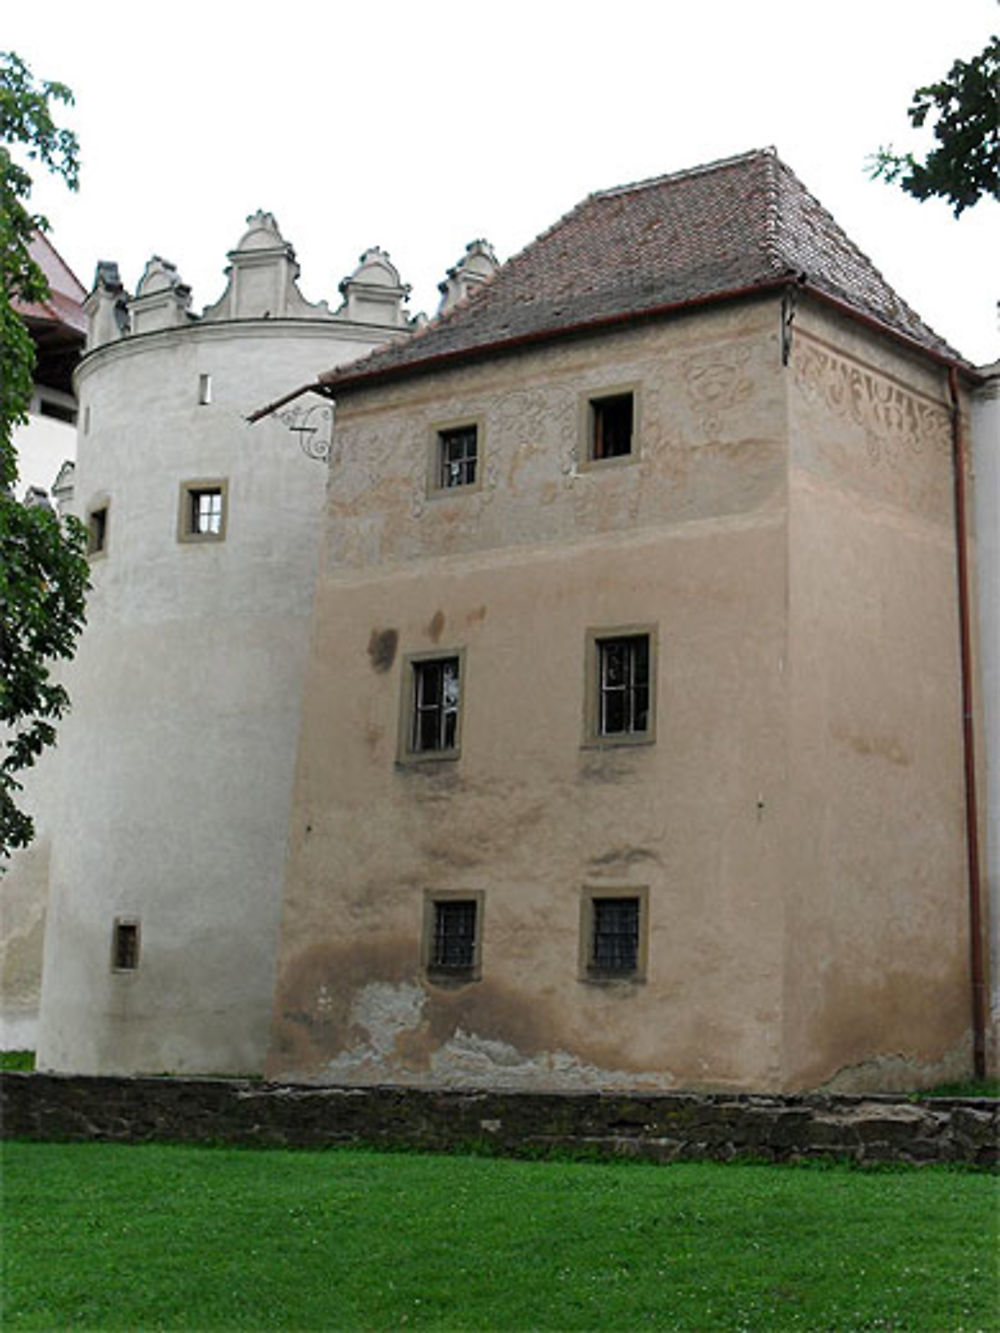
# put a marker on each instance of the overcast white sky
(419, 126)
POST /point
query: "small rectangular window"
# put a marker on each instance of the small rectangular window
(97, 530)
(452, 931)
(435, 705)
(202, 511)
(613, 934)
(125, 945)
(204, 390)
(623, 686)
(611, 425)
(458, 457)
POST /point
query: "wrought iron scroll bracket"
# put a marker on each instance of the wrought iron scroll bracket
(314, 427)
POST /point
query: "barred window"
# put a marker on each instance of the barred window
(454, 934)
(453, 925)
(206, 511)
(615, 941)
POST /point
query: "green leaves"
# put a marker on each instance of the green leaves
(964, 109)
(43, 568)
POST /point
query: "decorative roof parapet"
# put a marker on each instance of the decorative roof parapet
(162, 300)
(262, 273)
(476, 267)
(373, 293)
(106, 307)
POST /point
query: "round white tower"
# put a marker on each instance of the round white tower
(175, 765)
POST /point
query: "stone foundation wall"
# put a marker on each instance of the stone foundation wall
(654, 1127)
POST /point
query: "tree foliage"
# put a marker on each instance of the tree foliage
(964, 109)
(43, 570)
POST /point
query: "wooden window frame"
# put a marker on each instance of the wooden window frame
(412, 666)
(439, 431)
(590, 404)
(593, 735)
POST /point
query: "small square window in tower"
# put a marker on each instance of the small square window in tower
(206, 512)
(458, 457)
(623, 686)
(203, 508)
(435, 706)
(611, 423)
(614, 942)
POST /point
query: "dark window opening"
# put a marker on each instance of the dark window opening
(59, 411)
(453, 945)
(623, 686)
(614, 947)
(125, 946)
(435, 705)
(97, 530)
(458, 452)
(611, 426)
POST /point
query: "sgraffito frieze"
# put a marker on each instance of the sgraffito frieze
(895, 422)
(715, 386)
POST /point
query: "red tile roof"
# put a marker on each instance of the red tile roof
(711, 232)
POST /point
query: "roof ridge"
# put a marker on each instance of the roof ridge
(651, 181)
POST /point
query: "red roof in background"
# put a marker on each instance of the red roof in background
(707, 233)
(64, 304)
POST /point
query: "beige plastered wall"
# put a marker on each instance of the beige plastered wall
(876, 990)
(690, 538)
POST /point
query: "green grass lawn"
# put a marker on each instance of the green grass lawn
(147, 1237)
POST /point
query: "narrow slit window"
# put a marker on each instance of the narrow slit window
(458, 457)
(97, 530)
(611, 425)
(204, 390)
(125, 946)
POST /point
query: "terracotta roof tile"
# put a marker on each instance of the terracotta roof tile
(705, 233)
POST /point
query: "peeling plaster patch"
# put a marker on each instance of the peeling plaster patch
(881, 746)
(897, 1073)
(384, 1013)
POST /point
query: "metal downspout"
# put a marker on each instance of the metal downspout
(977, 969)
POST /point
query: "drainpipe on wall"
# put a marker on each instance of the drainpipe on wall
(977, 969)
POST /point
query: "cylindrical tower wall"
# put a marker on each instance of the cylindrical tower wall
(177, 757)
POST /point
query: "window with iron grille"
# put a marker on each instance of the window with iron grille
(613, 934)
(623, 686)
(435, 705)
(458, 456)
(125, 946)
(611, 421)
(202, 511)
(452, 928)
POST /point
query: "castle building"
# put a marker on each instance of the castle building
(632, 747)
(591, 703)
